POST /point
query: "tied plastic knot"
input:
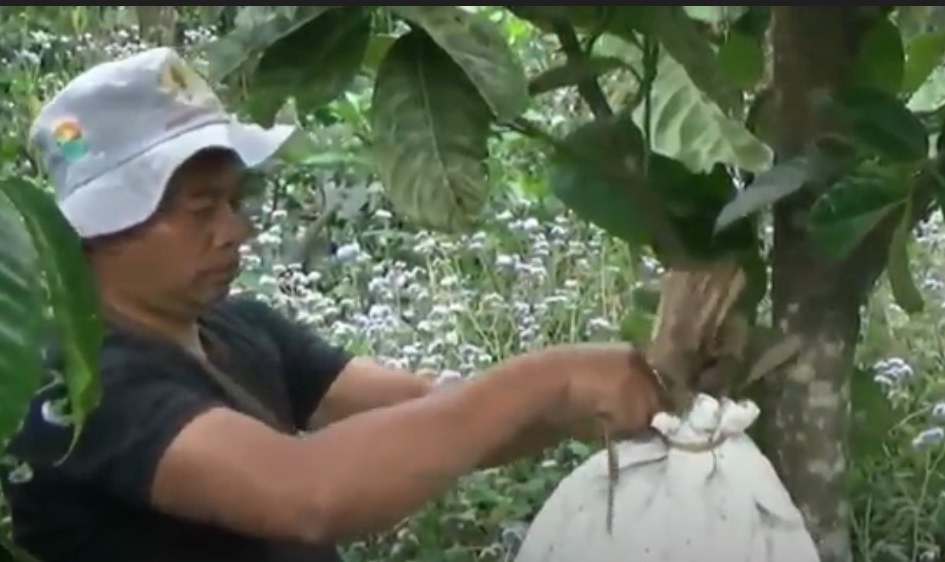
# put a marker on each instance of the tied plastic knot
(707, 425)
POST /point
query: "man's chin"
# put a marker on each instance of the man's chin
(219, 294)
(215, 295)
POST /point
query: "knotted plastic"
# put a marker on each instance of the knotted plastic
(703, 492)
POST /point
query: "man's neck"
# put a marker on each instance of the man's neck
(178, 328)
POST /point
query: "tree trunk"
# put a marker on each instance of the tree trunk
(817, 300)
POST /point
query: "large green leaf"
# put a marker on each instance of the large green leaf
(481, 51)
(691, 128)
(844, 215)
(41, 251)
(685, 42)
(600, 165)
(924, 54)
(880, 123)
(71, 294)
(587, 178)
(431, 131)
(314, 64)
(21, 314)
(258, 28)
(880, 62)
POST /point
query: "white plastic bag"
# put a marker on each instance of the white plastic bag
(678, 500)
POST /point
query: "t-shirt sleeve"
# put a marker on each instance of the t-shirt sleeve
(310, 363)
(141, 411)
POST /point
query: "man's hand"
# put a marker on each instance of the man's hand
(612, 394)
(612, 383)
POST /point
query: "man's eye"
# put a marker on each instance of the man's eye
(203, 211)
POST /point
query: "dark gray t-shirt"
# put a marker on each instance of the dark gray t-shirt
(94, 507)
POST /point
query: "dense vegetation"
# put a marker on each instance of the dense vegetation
(348, 256)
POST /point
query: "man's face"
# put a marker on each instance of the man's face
(187, 255)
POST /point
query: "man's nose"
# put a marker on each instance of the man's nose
(234, 228)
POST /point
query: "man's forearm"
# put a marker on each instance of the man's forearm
(385, 463)
(538, 438)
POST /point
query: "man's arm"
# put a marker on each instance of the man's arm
(365, 385)
(361, 384)
(361, 474)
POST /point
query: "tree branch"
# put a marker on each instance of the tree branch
(589, 89)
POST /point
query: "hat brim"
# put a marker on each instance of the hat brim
(129, 194)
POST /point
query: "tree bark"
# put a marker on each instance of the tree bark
(806, 405)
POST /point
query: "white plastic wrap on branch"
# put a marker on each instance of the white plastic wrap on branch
(706, 493)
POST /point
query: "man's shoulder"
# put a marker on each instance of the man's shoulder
(245, 310)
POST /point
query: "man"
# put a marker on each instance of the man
(193, 453)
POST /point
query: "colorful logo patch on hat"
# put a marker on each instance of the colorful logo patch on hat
(68, 137)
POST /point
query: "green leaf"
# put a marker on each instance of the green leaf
(583, 181)
(481, 51)
(898, 270)
(880, 123)
(257, 29)
(692, 129)
(844, 215)
(573, 72)
(58, 260)
(880, 62)
(923, 55)
(784, 179)
(767, 189)
(686, 43)
(590, 175)
(314, 64)
(742, 59)
(431, 131)
(21, 314)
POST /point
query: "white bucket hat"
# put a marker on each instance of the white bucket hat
(113, 137)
